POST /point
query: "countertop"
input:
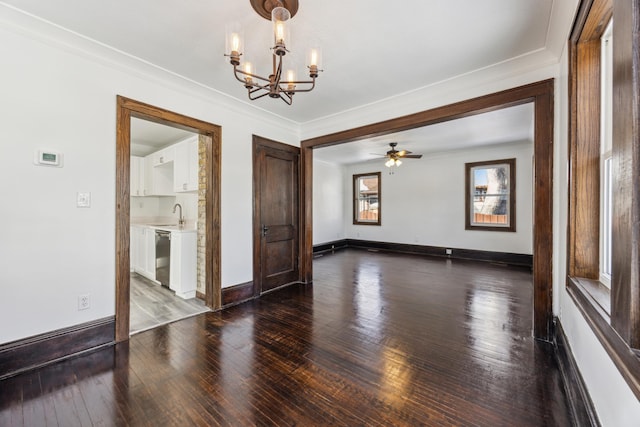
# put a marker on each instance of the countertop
(187, 228)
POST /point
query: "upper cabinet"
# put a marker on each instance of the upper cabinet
(137, 176)
(159, 172)
(172, 170)
(185, 166)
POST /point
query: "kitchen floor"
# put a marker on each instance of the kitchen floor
(154, 305)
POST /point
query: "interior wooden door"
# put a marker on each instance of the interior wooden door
(276, 214)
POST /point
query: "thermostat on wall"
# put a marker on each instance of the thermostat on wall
(48, 158)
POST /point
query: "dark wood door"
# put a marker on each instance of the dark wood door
(276, 214)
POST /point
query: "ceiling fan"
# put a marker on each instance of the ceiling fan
(394, 155)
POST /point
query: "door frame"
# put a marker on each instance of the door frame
(541, 95)
(257, 186)
(127, 108)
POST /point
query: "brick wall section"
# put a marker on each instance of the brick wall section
(202, 189)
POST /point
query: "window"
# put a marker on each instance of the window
(606, 137)
(603, 155)
(490, 195)
(366, 199)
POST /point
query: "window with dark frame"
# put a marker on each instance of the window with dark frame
(490, 195)
(366, 199)
(603, 199)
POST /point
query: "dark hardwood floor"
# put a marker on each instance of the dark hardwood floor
(378, 339)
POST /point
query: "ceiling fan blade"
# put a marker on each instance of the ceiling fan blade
(403, 153)
(413, 156)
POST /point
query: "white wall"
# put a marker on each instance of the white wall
(148, 207)
(423, 201)
(59, 93)
(328, 202)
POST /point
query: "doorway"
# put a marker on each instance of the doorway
(128, 109)
(164, 214)
(541, 95)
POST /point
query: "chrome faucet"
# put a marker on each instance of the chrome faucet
(180, 218)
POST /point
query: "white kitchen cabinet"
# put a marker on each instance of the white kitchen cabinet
(144, 259)
(137, 178)
(133, 248)
(185, 166)
(183, 275)
(164, 156)
(159, 173)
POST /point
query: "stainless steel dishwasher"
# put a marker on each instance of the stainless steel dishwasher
(163, 257)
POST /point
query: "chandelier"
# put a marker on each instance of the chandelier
(276, 85)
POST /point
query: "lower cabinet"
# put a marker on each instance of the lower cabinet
(143, 251)
(183, 276)
(183, 267)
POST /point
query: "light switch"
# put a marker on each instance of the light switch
(83, 200)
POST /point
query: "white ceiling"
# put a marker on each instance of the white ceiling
(372, 49)
(505, 126)
(148, 137)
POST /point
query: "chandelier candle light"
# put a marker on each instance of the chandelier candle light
(276, 86)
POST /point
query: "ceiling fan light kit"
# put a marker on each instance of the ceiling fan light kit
(394, 156)
(275, 86)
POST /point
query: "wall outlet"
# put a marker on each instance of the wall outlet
(83, 199)
(84, 302)
(448, 251)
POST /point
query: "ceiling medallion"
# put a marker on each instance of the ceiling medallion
(264, 7)
(276, 86)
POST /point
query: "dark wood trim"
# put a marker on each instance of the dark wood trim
(354, 200)
(306, 215)
(580, 403)
(541, 94)
(33, 352)
(237, 294)
(617, 328)
(624, 357)
(330, 246)
(543, 217)
(508, 258)
(484, 104)
(512, 195)
(123, 238)
(584, 155)
(625, 280)
(258, 143)
(213, 253)
(127, 108)
(201, 296)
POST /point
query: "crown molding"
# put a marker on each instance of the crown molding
(55, 36)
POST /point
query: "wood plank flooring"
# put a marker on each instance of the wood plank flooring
(153, 305)
(377, 340)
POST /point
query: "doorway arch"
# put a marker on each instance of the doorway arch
(126, 109)
(541, 95)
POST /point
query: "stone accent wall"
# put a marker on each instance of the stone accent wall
(202, 213)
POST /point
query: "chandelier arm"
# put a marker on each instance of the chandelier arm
(236, 71)
(257, 97)
(312, 83)
(288, 99)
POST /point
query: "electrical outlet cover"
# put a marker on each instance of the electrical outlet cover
(84, 302)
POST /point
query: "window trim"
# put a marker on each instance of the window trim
(356, 178)
(612, 315)
(468, 224)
